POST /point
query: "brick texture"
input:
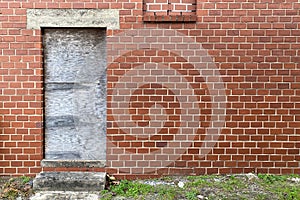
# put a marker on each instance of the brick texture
(254, 45)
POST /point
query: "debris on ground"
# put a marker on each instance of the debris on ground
(19, 188)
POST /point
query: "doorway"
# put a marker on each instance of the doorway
(75, 93)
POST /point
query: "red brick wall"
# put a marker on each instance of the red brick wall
(255, 48)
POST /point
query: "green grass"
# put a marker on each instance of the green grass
(232, 183)
(165, 192)
(130, 189)
(192, 194)
(270, 178)
(280, 186)
(263, 187)
(25, 179)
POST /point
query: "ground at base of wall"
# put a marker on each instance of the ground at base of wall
(12, 188)
(247, 186)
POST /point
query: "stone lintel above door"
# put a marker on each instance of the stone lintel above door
(67, 18)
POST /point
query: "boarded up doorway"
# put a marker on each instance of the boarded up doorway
(75, 93)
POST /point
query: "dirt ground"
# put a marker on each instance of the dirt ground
(246, 186)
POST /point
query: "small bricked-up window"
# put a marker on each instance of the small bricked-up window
(169, 10)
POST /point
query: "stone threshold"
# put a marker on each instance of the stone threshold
(73, 163)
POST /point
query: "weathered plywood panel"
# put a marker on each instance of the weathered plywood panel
(75, 94)
(74, 55)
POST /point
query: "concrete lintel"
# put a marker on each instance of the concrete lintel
(88, 18)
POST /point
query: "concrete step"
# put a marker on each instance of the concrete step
(69, 181)
(65, 195)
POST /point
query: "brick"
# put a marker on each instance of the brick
(257, 61)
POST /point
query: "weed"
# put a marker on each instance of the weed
(261, 196)
(191, 195)
(25, 179)
(167, 178)
(270, 178)
(10, 194)
(292, 193)
(235, 183)
(279, 186)
(294, 176)
(166, 192)
(191, 178)
(131, 189)
(197, 183)
(285, 192)
(106, 195)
